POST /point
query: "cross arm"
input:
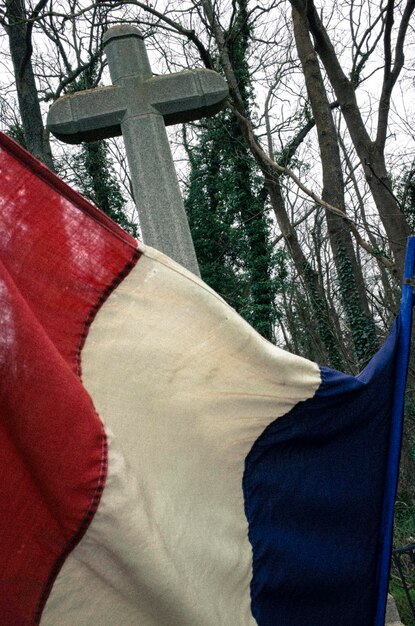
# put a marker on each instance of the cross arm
(87, 115)
(188, 95)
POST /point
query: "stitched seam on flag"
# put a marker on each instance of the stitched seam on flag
(248, 487)
(96, 496)
(87, 519)
(103, 297)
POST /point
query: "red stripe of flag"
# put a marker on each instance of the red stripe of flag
(59, 259)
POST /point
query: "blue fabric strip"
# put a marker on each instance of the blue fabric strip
(314, 493)
(392, 471)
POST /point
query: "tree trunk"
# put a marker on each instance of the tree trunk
(370, 153)
(21, 50)
(349, 273)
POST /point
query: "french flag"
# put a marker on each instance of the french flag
(161, 463)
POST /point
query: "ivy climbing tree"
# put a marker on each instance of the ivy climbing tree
(97, 181)
(227, 206)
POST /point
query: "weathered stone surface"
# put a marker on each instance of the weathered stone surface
(88, 115)
(139, 106)
(392, 616)
(126, 52)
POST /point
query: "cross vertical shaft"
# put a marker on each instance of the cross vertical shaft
(162, 215)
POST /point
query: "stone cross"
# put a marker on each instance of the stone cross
(139, 105)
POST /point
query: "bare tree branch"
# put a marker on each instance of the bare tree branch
(391, 72)
(335, 210)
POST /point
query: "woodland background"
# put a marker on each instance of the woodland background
(300, 193)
